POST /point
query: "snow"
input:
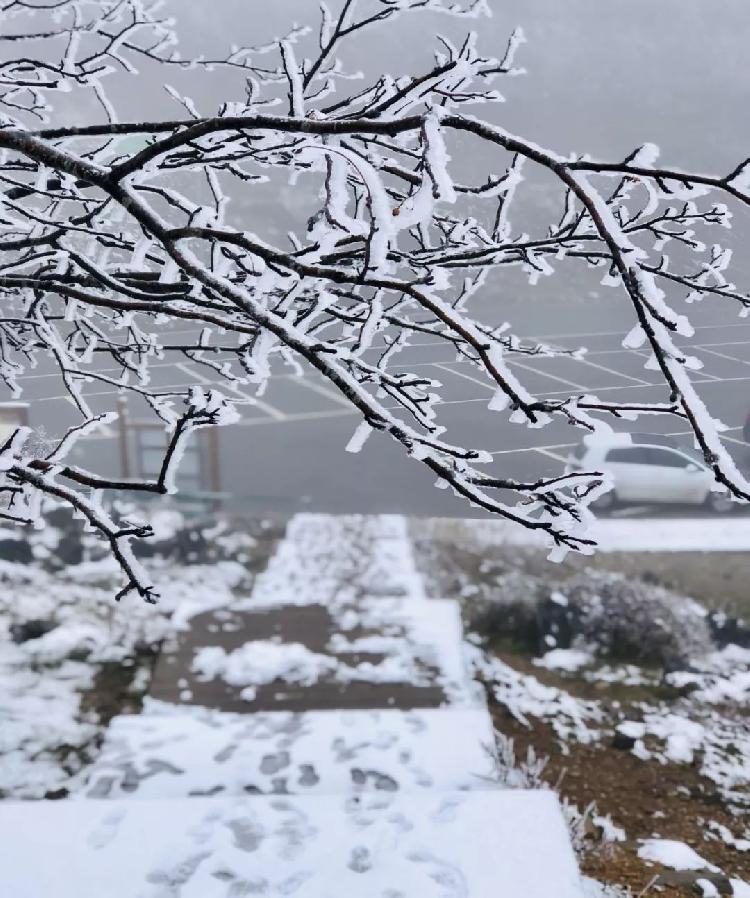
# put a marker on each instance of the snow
(166, 523)
(671, 853)
(45, 736)
(188, 798)
(364, 571)
(420, 640)
(594, 889)
(682, 737)
(432, 640)
(727, 838)
(524, 697)
(262, 661)
(609, 830)
(318, 846)
(311, 567)
(730, 534)
(704, 726)
(569, 660)
(736, 688)
(437, 158)
(359, 438)
(42, 733)
(627, 674)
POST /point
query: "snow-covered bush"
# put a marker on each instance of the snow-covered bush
(609, 614)
(507, 606)
(630, 619)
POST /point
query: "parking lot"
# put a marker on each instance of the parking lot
(288, 451)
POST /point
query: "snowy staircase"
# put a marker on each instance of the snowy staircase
(390, 794)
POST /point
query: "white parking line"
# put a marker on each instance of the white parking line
(184, 332)
(548, 450)
(725, 355)
(562, 380)
(201, 378)
(703, 379)
(734, 439)
(551, 454)
(444, 367)
(637, 380)
(319, 389)
(275, 413)
(533, 449)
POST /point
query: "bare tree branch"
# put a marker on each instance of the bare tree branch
(108, 229)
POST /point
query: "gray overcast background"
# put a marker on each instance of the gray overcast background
(603, 76)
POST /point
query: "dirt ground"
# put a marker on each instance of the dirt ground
(645, 799)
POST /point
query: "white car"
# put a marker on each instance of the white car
(649, 469)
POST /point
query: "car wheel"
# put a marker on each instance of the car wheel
(720, 503)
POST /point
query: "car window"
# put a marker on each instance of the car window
(631, 455)
(666, 459)
(694, 454)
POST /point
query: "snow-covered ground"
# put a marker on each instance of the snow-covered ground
(55, 739)
(694, 730)
(48, 730)
(725, 534)
(431, 845)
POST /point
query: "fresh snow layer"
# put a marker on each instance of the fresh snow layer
(330, 560)
(451, 845)
(42, 732)
(262, 661)
(671, 853)
(729, 534)
(431, 638)
(362, 569)
(45, 735)
(176, 752)
(568, 660)
(526, 697)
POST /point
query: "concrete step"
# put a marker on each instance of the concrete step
(377, 653)
(173, 752)
(501, 844)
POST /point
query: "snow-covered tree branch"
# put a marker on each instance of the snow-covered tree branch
(111, 231)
